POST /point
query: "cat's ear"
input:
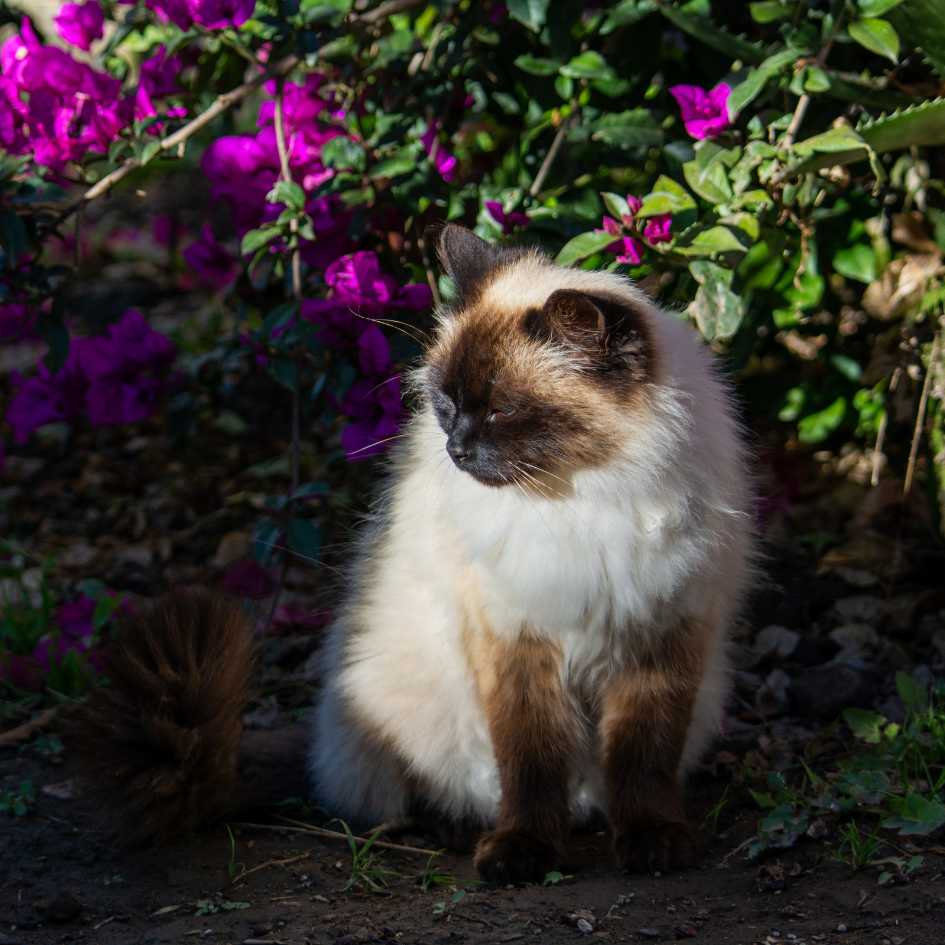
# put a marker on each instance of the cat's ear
(468, 260)
(606, 331)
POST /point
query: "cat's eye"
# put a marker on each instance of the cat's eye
(499, 413)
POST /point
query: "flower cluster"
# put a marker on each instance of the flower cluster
(119, 377)
(74, 633)
(210, 14)
(59, 110)
(629, 247)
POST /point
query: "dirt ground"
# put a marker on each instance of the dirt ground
(64, 881)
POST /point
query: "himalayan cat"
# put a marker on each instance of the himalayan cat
(535, 628)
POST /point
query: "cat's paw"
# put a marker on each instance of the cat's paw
(663, 847)
(512, 856)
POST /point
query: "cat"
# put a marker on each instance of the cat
(534, 631)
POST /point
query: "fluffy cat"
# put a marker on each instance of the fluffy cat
(536, 625)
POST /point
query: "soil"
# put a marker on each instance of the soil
(64, 880)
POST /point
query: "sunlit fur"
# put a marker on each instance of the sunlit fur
(641, 524)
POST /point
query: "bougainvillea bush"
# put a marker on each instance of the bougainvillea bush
(770, 170)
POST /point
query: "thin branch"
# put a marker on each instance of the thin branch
(389, 8)
(920, 415)
(543, 171)
(338, 835)
(223, 103)
(285, 861)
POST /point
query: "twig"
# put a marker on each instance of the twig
(389, 8)
(338, 835)
(29, 728)
(881, 433)
(222, 104)
(920, 415)
(539, 180)
(262, 866)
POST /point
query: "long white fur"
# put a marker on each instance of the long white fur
(660, 534)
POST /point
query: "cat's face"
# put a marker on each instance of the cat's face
(527, 394)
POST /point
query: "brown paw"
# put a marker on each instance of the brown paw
(510, 856)
(662, 847)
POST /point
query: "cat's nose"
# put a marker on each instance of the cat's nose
(459, 452)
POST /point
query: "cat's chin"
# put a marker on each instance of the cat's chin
(487, 478)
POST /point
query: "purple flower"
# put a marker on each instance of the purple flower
(629, 249)
(74, 618)
(81, 23)
(357, 280)
(704, 114)
(210, 262)
(508, 221)
(657, 229)
(373, 351)
(247, 578)
(159, 74)
(17, 321)
(610, 226)
(241, 171)
(221, 14)
(444, 162)
(376, 407)
(45, 398)
(173, 11)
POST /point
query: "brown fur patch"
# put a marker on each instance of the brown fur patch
(646, 713)
(534, 737)
(162, 740)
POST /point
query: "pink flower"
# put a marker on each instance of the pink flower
(444, 162)
(630, 251)
(508, 221)
(657, 229)
(81, 23)
(220, 14)
(704, 114)
(611, 226)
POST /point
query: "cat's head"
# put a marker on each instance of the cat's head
(535, 367)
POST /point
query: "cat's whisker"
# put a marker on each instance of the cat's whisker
(545, 472)
(405, 328)
(371, 446)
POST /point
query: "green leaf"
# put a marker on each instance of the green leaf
(303, 537)
(588, 65)
(531, 13)
(285, 371)
(587, 244)
(856, 262)
(716, 309)
(865, 725)
(758, 78)
(769, 11)
(843, 138)
(256, 239)
(533, 65)
(635, 128)
(667, 196)
(616, 205)
(289, 193)
(878, 36)
(342, 152)
(626, 13)
(876, 7)
(916, 816)
(816, 427)
(709, 182)
(711, 241)
(403, 162)
(914, 697)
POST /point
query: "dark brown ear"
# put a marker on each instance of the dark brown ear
(468, 260)
(609, 332)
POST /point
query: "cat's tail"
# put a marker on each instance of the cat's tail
(162, 739)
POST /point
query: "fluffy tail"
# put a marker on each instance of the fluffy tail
(163, 738)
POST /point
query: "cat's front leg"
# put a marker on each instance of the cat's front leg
(646, 713)
(533, 730)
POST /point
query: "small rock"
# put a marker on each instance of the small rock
(356, 937)
(841, 927)
(584, 926)
(863, 608)
(64, 908)
(775, 641)
(855, 639)
(824, 691)
(685, 931)
(61, 790)
(772, 697)
(649, 933)
(77, 555)
(583, 920)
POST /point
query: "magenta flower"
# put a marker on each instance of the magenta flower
(174, 11)
(704, 114)
(611, 226)
(209, 261)
(376, 408)
(247, 578)
(221, 14)
(630, 251)
(657, 229)
(357, 281)
(508, 221)
(444, 162)
(81, 23)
